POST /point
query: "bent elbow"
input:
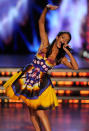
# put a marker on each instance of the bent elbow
(40, 21)
(76, 68)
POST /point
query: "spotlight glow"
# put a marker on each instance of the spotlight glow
(13, 12)
(68, 17)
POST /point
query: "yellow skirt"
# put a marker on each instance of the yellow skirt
(46, 100)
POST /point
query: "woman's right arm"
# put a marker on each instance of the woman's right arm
(43, 34)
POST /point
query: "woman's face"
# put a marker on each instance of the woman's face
(62, 39)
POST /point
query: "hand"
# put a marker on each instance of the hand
(51, 7)
(64, 47)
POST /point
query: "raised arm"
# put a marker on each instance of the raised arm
(72, 63)
(43, 34)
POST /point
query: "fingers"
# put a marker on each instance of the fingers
(51, 7)
(55, 7)
(66, 45)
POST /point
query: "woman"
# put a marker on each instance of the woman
(32, 84)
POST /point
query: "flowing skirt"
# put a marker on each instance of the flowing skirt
(37, 97)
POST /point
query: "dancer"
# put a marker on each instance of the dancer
(32, 84)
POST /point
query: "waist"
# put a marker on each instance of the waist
(42, 68)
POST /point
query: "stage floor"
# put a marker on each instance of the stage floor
(18, 61)
(72, 117)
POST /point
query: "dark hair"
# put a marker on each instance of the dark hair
(61, 52)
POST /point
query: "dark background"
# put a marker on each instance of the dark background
(24, 37)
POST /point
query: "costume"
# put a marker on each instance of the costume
(32, 84)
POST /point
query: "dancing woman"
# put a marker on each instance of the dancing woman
(32, 84)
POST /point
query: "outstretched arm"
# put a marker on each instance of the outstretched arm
(43, 34)
(72, 64)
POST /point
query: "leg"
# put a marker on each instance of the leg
(35, 120)
(44, 119)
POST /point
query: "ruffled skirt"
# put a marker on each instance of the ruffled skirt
(44, 98)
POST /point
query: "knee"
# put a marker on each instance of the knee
(40, 113)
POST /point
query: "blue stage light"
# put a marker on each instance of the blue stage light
(11, 12)
(68, 17)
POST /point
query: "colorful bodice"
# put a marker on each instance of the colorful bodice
(40, 65)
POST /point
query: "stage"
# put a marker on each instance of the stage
(72, 114)
(66, 117)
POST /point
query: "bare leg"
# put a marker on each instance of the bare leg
(35, 120)
(44, 119)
